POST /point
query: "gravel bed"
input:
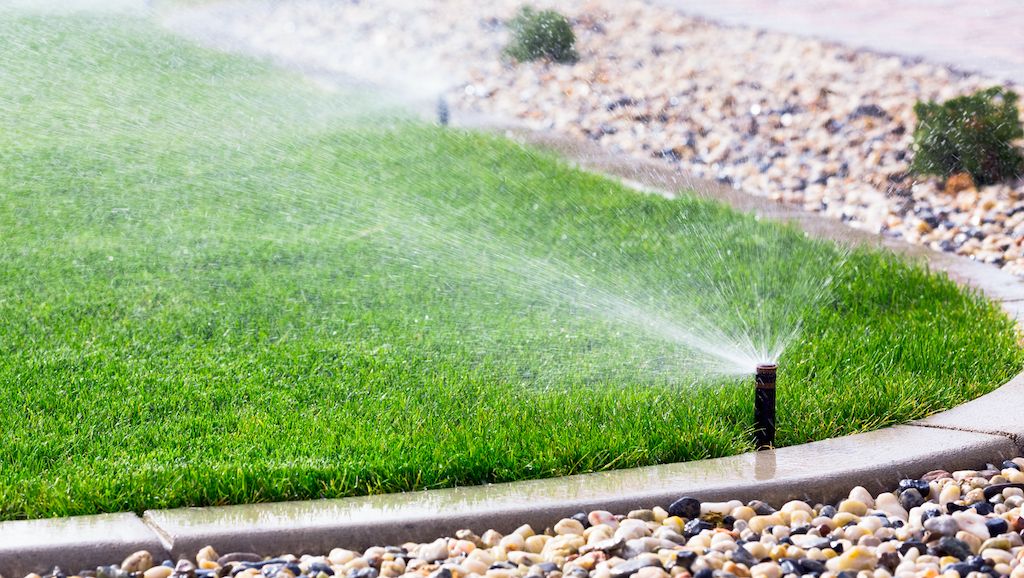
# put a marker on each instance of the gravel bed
(793, 119)
(960, 524)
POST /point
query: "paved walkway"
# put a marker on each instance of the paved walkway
(982, 35)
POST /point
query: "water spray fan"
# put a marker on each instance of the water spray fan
(764, 406)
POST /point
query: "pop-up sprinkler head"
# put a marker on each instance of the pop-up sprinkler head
(443, 113)
(764, 406)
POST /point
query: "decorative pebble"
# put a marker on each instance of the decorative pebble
(569, 526)
(855, 559)
(158, 572)
(138, 562)
(207, 554)
(685, 507)
(434, 551)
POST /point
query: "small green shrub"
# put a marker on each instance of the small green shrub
(970, 134)
(541, 34)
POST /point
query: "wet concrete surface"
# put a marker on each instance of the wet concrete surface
(1000, 412)
(970, 36)
(73, 543)
(819, 471)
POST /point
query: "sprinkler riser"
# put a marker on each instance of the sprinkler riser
(443, 113)
(764, 406)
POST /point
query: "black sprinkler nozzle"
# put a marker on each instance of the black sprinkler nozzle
(764, 406)
(443, 114)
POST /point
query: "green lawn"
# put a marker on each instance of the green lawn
(219, 284)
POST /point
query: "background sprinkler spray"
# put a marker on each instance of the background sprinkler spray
(764, 406)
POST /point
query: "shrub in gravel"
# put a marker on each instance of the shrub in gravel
(971, 134)
(541, 34)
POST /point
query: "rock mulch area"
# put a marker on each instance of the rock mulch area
(792, 119)
(964, 524)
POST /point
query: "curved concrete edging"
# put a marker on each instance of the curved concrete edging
(987, 429)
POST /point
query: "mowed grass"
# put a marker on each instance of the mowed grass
(220, 285)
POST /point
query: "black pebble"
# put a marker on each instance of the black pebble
(685, 507)
(760, 508)
(911, 498)
(997, 526)
(705, 573)
(922, 486)
(983, 508)
(814, 567)
(547, 567)
(952, 547)
(1009, 465)
(371, 573)
(828, 511)
(686, 558)
(696, 526)
(996, 489)
(582, 519)
(955, 507)
(889, 561)
(961, 568)
(742, 556)
(318, 567)
(801, 567)
(909, 544)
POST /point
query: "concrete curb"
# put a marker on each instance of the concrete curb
(996, 413)
(73, 543)
(798, 472)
